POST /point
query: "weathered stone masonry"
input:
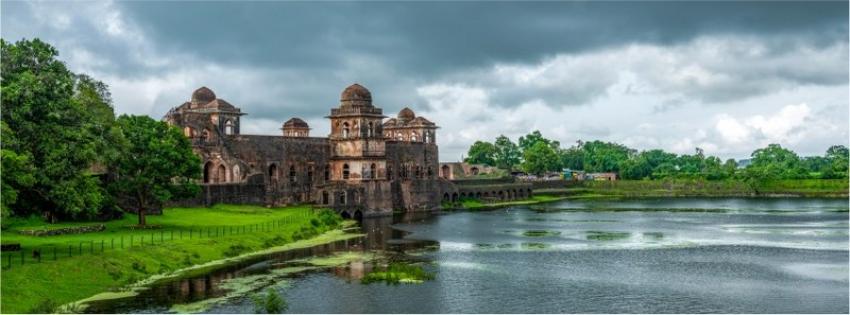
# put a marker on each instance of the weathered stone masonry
(366, 166)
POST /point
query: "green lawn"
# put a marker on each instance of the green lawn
(704, 188)
(40, 287)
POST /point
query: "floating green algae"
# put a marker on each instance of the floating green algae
(397, 273)
(607, 236)
(534, 246)
(540, 233)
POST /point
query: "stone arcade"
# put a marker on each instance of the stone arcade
(366, 166)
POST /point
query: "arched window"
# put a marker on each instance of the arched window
(228, 127)
(273, 172)
(430, 172)
(310, 174)
(342, 197)
(399, 136)
(413, 136)
(324, 197)
(371, 130)
(208, 175)
(236, 176)
(345, 171)
(206, 135)
(292, 177)
(389, 172)
(221, 174)
(373, 171)
(327, 172)
(446, 170)
(188, 132)
(345, 130)
(427, 137)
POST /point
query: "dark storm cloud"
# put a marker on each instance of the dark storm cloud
(429, 38)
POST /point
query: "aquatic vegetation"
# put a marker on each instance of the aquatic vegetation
(607, 236)
(534, 246)
(271, 303)
(540, 233)
(484, 246)
(506, 245)
(338, 259)
(398, 273)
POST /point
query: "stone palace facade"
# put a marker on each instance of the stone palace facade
(367, 165)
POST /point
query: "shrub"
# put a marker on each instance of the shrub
(271, 303)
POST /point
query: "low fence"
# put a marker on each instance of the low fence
(150, 237)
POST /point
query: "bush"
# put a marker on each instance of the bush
(271, 303)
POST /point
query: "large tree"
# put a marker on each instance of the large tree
(507, 154)
(775, 162)
(53, 133)
(481, 152)
(540, 158)
(156, 165)
(604, 156)
(529, 140)
(838, 156)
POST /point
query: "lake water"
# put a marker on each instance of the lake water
(633, 256)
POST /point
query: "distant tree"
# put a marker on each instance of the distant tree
(775, 162)
(572, 158)
(156, 165)
(604, 156)
(540, 158)
(507, 154)
(839, 157)
(53, 133)
(635, 168)
(533, 138)
(730, 167)
(481, 152)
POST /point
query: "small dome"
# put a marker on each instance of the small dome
(406, 114)
(357, 95)
(295, 122)
(203, 95)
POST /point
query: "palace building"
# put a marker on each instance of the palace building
(367, 165)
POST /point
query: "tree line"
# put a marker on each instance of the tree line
(535, 154)
(65, 155)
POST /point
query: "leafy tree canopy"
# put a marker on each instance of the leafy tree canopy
(156, 165)
(481, 152)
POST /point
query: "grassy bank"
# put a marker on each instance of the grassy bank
(40, 287)
(703, 188)
(475, 204)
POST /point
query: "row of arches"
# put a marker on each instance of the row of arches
(294, 173)
(413, 136)
(349, 130)
(220, 173)
(498, 195)
(340, 198)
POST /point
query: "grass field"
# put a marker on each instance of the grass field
(40, 287)
(703, 188)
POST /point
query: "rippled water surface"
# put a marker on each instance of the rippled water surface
(644, 256)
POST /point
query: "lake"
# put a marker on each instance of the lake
(715, 255)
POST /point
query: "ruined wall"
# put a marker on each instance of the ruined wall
(412, 166)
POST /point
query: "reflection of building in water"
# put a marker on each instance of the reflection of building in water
(355, 270)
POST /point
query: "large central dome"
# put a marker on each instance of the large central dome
(356, 95)
(202, 96)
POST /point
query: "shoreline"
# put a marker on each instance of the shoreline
(133, 289)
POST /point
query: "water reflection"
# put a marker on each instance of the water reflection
(755, 256)
(379, 236)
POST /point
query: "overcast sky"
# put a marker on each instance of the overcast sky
(726, 77)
